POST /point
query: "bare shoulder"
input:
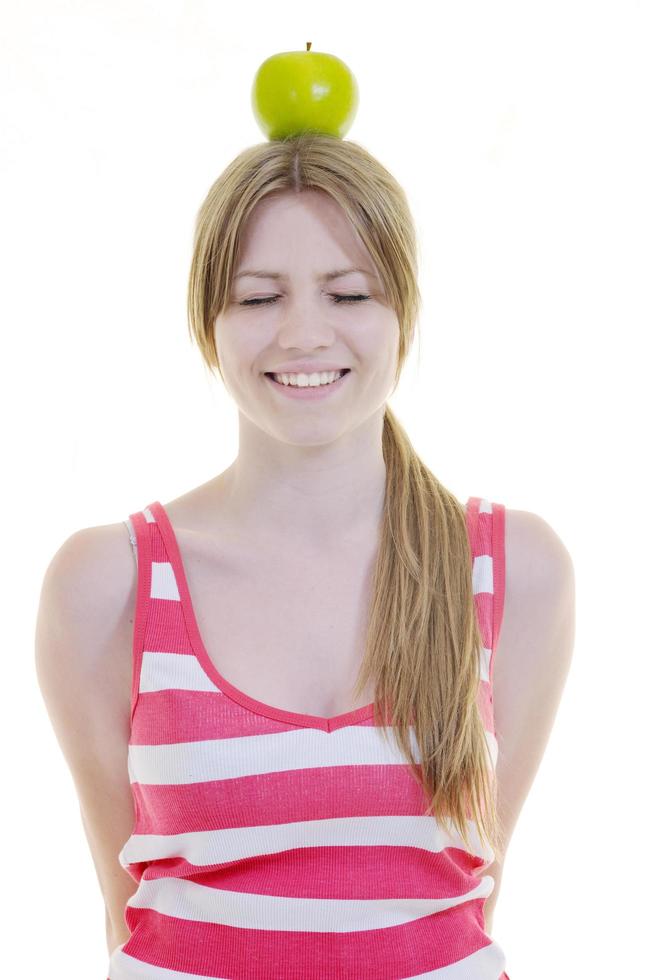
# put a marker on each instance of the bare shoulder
(533, 654)
(85, 615)
(539, 592)
(534, 546)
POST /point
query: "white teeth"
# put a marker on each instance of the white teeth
(308, 380)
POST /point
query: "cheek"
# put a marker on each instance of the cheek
(237, 348)
(377, 343)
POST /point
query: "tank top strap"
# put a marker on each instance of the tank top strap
(485, 520)
(158, 625)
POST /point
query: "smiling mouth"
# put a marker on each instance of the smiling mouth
(271, 375)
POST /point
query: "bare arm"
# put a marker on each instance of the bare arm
(83, 662)
(531, 663)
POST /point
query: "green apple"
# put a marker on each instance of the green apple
(300, 91)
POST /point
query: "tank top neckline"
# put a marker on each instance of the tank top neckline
(331, 724)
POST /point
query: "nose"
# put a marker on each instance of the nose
(305, 327)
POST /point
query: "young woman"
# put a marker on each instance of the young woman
(299, 744)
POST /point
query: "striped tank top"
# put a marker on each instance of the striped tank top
(273, 845)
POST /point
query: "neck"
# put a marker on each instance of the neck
(326, 495)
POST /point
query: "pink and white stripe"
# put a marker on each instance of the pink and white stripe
(273, 844)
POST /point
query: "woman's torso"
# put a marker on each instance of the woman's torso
(264, 837)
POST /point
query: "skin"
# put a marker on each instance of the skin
(306, 466)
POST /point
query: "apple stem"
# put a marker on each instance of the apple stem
(308, 45)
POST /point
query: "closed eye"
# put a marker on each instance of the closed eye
(335, 296)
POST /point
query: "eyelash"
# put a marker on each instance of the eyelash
(337, 299)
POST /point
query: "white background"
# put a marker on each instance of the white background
(522, 134)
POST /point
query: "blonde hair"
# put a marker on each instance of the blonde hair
(423, 642)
